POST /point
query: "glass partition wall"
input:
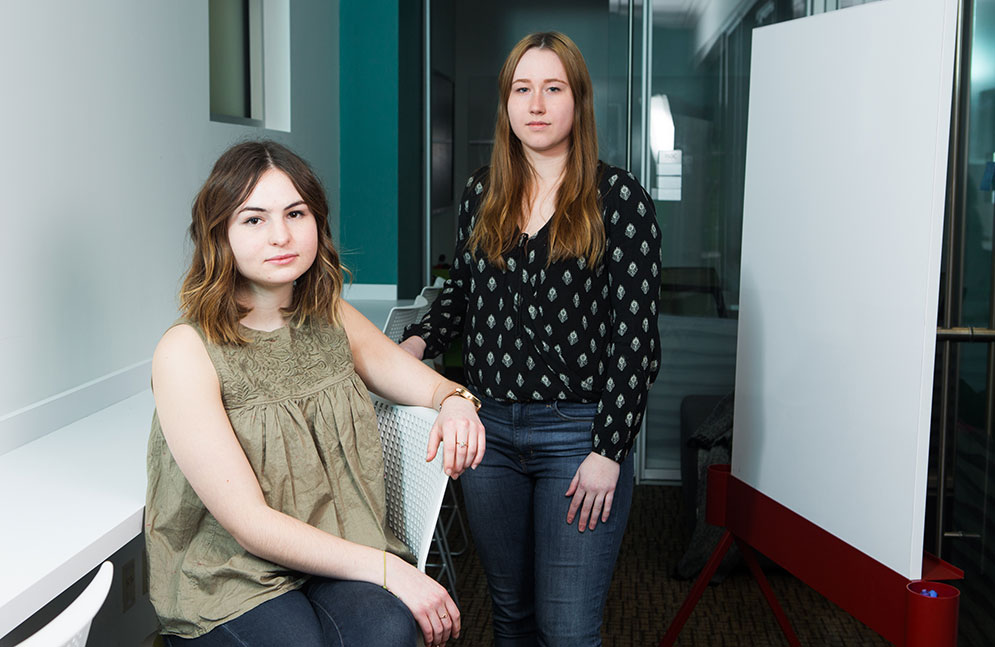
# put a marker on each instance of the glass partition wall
(672, 84)
(962, 476)
(695, 96)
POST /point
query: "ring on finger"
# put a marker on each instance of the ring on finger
(461, 443)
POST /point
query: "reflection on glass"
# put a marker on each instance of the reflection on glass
(665, 161)
(970, 520)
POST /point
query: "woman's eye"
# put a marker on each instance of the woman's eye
(253, 220)
(296, 214)
(522, 90)
(554, 88)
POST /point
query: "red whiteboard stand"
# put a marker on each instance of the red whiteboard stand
(888, 603)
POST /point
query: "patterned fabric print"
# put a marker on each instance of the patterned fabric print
(273, 369)
(564, 331)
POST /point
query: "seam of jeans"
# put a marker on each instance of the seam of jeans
(235, 636)
(335, 624)
(563, 416)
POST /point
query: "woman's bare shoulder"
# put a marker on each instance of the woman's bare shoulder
(181, 351)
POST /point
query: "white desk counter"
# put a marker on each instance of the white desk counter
(69, 500)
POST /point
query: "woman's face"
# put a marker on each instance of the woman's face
(541, 105)
(273, 234)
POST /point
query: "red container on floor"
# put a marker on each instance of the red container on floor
(931, 622)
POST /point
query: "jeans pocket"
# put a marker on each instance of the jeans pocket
(576, 411)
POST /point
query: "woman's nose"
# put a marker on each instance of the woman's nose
(279, 232)
(536, 106)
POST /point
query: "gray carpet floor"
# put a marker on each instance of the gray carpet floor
(644, 597)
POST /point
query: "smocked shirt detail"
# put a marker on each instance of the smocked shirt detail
(562, 331)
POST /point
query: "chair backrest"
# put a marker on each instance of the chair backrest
(71, 627)
(415, 488)
(430, 293)
(399, 318)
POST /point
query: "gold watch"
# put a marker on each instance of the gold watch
(463, 393)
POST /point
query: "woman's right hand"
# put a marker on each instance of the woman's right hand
(415, 346)
(430, 604)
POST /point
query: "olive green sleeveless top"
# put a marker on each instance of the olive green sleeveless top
(306, 424)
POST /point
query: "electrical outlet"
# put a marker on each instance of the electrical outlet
(128, 584)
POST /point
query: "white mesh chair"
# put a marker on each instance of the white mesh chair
(399, 318)
(414, 487)
(429, 293)
(71, 627)
(450, 509)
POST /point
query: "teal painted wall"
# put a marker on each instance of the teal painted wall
(368, 107)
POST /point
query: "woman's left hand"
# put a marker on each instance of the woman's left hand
(592, 489)
(461, 434)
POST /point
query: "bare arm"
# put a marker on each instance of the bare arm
(415, 346)
(204, 445)
(394, 374)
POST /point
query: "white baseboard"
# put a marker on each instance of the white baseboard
(35, 420)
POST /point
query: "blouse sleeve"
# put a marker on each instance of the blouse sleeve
(632, 260)
(444, 320)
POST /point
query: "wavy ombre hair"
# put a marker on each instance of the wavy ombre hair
(576, 228)
(208, 295)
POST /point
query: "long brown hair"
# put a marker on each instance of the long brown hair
(208, 295)
(576, 228)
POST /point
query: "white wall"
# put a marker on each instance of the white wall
(107, 138)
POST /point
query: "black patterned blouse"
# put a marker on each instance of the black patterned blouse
(563, 331)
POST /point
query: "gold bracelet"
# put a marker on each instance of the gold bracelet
(385, 570)
(463, 393)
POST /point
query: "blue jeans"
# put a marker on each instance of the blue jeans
(324, 613)
(548, 581)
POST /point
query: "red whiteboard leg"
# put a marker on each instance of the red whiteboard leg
(750, 557)
(699, 587)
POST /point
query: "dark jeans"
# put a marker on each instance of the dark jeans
(324, 613)
(548, 581)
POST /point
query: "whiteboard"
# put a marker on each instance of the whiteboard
(842, 227)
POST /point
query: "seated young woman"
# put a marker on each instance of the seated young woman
(265, 516)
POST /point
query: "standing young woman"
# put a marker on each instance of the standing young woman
(554, 287)
(265, 515)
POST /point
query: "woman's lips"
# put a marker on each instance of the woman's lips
(283, 259)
